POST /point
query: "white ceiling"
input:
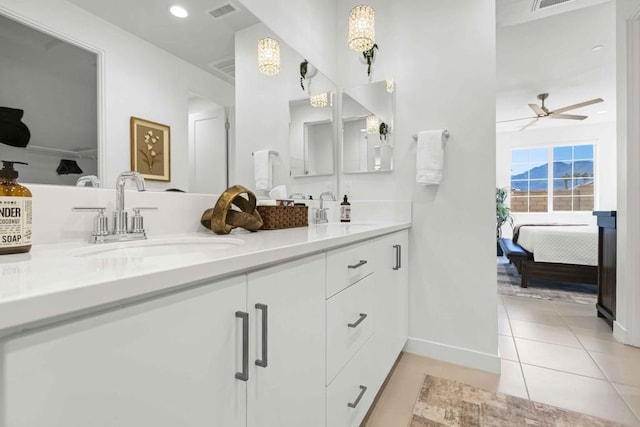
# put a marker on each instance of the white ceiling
(198, 39)
(554, 54)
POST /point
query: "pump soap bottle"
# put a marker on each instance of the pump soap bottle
(345, 210)
(15, 212)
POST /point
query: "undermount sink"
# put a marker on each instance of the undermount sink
(157, 247)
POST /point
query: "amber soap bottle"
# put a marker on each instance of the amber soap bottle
(15, 212)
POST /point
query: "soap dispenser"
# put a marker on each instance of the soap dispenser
(15, 212)
(345, 210)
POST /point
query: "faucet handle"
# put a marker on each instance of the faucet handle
(137, 221)
(100, 222)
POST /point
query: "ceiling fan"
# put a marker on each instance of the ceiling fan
(543, 112)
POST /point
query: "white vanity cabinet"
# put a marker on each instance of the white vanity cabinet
(163, 363)
(287, 377)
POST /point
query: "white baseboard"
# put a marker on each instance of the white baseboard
(452, 354)
(619, 332)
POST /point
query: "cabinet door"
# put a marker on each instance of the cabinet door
(290, 390)
(392, 296)
(167, 362)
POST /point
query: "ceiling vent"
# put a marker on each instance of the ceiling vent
(543, 4)
(226, 66)
(223, 10)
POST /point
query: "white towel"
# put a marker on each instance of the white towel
(262, 170)
(430, 157)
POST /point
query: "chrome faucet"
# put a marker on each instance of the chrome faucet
(120, 215)
(88, 181)
(320, 216)
(120, 232)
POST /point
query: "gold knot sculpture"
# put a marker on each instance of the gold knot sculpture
(223, 217)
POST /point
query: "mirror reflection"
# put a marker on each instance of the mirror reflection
(367, 128)
(311, 136)
(50, 86)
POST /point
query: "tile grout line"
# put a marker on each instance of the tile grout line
(513, 340)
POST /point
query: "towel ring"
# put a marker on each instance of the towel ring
(271, 153)
(445, 133)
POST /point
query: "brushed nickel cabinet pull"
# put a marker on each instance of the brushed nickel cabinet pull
(363, 390)
(244, 374)
(358, 265)
(265, 328)
(357, 322)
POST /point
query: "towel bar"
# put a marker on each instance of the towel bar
(445, 134)
(271, 152)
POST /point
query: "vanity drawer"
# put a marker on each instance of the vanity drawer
(351, 394)
(348, 265)
(350, 321)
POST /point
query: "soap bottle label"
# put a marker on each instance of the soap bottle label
(15, 221)
(345, 213)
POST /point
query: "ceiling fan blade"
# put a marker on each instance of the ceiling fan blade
(538, 110)
(528, 124)
(580, 105)
(515, 120)
(566, 116)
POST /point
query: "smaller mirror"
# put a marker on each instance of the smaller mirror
(367, 128)
(311, 137)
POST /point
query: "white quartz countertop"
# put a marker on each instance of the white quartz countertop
(61, 279)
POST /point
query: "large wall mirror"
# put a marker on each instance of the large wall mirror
(367, 128)
(311, 136)
(53, 85)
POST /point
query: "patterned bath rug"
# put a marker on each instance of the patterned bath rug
(509, 284)
(452, 404)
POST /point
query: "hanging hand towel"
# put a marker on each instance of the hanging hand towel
(262, 170)
(430, 157)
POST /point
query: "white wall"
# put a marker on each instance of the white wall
(139, 80)
(628, 223)
(262, 112)
(602, 135)
(308, 26)
(442, 57)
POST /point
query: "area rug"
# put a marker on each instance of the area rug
(509, 284)
(449, 403)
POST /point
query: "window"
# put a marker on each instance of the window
(566, 186)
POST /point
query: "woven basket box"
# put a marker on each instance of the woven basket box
(277, 217)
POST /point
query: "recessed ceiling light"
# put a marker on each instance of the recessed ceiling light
(178, 11)
(597, 47)
(603, 112)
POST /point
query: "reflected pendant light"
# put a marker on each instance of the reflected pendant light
(268, 56)
(373, 124)
(361, 28)
(320, 100)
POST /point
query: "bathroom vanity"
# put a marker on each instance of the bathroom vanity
(294, 327)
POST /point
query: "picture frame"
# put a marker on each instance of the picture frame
(151, 149)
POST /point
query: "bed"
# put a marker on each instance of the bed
(567, 253)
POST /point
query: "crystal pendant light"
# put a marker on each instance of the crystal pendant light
(361, 28)
(320, 100)
(268, 56)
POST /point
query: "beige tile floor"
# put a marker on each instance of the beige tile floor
(556, 353)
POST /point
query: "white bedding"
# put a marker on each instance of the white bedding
(561, 244)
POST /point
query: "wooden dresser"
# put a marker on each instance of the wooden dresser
(606, 265)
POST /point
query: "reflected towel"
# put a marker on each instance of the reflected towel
(262, 170)
(430, 157)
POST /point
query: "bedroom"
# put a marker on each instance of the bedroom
(559, 171)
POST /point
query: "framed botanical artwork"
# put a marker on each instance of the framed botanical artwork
(151, 149)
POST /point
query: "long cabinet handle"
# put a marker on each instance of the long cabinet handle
(265, 328)
(244, 374)
(358, 265)
(357, 322)
(363, 390)
(397, 248)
